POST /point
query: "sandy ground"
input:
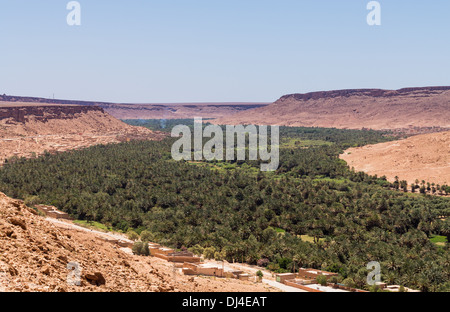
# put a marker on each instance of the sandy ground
(423, 157)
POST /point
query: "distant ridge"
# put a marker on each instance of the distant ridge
(422, 107)
(27, 99)
(145, 110)
(363, 92)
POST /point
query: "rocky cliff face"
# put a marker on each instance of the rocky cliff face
(28, 130)
(36, 100)
(375, 93)
(410, 108)
(23, 114)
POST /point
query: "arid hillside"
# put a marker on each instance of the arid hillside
(355, 109)
(30, 129)
(27, 120)
(423, 157)
(35, 255)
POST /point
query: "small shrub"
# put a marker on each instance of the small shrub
(147, 236)
(374, 288)
(322, 280)
(284, 263)
(209, 252)
(31, 201)
(348, 282)
(334, 280)
(197, 250)
(259, 274)
(219, 256)
(132, 235)
(141, 249)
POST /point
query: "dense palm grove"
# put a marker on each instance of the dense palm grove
(313, 212)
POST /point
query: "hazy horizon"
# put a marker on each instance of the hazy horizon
(214, 102)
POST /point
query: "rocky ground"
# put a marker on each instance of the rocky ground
(29, 131)
(37, 256)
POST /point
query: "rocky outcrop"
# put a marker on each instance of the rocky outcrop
(96, 278)
(375, 93)
(29, 130)
(409, 108)
(22, 114)
(26, 99)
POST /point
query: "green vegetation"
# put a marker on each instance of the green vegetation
(311, 239)
(141, 248)
(93, 225)
(322, 280)
(132, 235)
(299, 143)
(164, 125)
(439, 240)
(232, 211)
(259, 274)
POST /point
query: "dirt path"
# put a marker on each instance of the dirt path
(71, 226)
(268, 277)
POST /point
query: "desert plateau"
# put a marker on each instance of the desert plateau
(407, 109)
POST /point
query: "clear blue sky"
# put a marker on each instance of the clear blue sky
(219, 50)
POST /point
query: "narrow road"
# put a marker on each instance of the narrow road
(72, 226)
(282, 287)
(269, 280)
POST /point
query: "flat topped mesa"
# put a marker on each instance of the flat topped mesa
(43, 112)
(365, 92)
(417, 108)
